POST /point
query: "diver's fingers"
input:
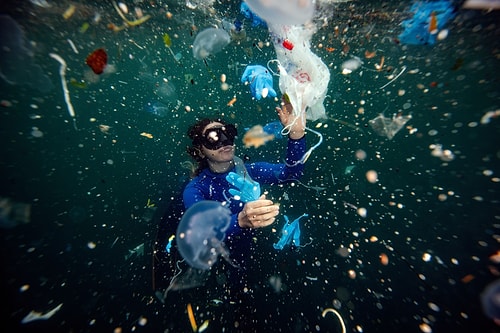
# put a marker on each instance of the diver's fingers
(265, 212)
(264, 223)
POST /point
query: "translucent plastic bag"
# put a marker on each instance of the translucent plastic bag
(302, 74)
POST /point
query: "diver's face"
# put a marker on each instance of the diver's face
(218, 145)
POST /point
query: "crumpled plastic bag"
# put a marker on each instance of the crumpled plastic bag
(260, 81)
(303, 75)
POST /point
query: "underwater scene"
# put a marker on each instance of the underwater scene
(394, 225)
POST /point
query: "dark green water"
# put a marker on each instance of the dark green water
(88, 189)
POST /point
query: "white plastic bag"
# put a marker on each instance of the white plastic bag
(303, 75)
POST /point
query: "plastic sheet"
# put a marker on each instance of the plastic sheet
(283, 11)
(260, 81)
(302, 74)
(388, 127)
(428, 18)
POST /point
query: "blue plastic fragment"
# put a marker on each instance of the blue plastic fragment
(417, 29)
(169, 244)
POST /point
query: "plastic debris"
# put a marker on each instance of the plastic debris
(428, 18)
(290, 233)
(260, 81)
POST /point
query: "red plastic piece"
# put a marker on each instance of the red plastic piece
(97, 60)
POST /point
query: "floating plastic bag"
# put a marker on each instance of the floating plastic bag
(247, 12)
(428, 18)
(303, 75)
(283, 11)
(260, 81)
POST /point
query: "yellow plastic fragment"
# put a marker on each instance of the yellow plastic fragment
(192, 321)
(69, 12)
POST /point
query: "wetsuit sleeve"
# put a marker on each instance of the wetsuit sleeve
(192, 195)
(234, 228)
(293, 168)
(270, 173)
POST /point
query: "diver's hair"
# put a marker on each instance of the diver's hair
(195, 133)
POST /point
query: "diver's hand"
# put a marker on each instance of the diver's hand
(258, 214)
(287, 118)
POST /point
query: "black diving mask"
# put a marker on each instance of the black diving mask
(218, 137)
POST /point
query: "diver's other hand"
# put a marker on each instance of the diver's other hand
(287, 118)
(258, 214)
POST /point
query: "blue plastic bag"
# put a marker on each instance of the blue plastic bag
(259, 78)
(417, 29)
(247, 12)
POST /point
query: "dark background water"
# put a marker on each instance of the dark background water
(87, 187)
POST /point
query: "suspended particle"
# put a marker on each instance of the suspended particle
(384, 259)
(372, 176)
(433, 307)
(142, 321)
(264, 92)
(426, 257)
(362, 212)
(442, 34)
(360, 154)
(424, 327)
(488, 173)
(36, 132)
(123, 7)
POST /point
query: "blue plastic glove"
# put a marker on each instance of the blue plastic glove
(259, 78)
(246, 188)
